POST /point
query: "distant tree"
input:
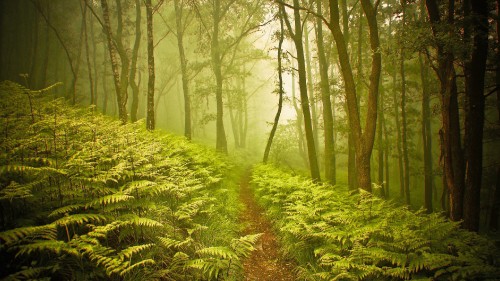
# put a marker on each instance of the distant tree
(297, 35)
(133, 63)
(150, 112)
(117, 50)
(280, 87)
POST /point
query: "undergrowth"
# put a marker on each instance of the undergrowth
(84, 197)
(337, 235)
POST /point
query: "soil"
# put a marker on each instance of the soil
(266, 262)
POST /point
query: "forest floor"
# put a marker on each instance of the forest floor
(266, 262)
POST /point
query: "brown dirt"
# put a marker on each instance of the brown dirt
(266, 262)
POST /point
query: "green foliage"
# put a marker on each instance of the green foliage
(336, 235)
(84, 197)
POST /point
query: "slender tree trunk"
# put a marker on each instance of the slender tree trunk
(300, 119)
(330, 170)
(45, 64)
(221, 142)
(495, 209)
(150, 112)
(280, 89)
(380, 144)
(304, 99)
(310, 86)
(94, 61)
(87, 55)
(120, 84)
(133, 66)
(474, 115)
(426, 136)
(184, 74)
(404, 126)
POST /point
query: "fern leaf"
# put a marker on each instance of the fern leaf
(80, 219)
(15, 235)
(128, 252)
(66, 210)
(110, 199)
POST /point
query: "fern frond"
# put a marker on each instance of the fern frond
(66, 210)
(80, 219)
(110, 199)
(15, 235)
(218, 252)
(128, 252)
(54, 246)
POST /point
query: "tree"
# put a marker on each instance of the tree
(133, 64)
(150, 112)
(296, 35)
(280, 87)
(363, 140)
(330, 170)
(180, 28)
(475, 69)
(116, 49)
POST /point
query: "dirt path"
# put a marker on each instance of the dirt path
(265, 263)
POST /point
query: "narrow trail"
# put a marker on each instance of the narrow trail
(265, 263)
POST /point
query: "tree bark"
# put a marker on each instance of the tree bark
(363, 141)
(280, 89)
(296, 34)
(133, 65)
(330, 169)
(184, 74)
(87, 54)
(113, 48)
(426, 136)
(221, 142)
(451, 140)
(150, 112)
(474, 115)
(404, 125)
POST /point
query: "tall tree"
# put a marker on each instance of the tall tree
(133, 63)
(330, 169)
(475, 70)
(280, 87)
(150, 111)
(426, 135)
(363, 140)
(404, 125)
(296, 35)
(180, 28)
(116, 49)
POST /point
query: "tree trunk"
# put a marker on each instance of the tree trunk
(380, 144)
(474, 115)
(363, 141)
(300, 119)
(404, 126)
(87, 55)
(310, 86)
(451, 143)
(280, 90)
(304, 99)
(330, 170)
(221, 142)
(426, 136)
(120, 85)
(133, 65)
(184, 74)
(150, 112)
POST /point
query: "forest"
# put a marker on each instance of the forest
(250, 140)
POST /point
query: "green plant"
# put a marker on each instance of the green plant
(337, 235)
